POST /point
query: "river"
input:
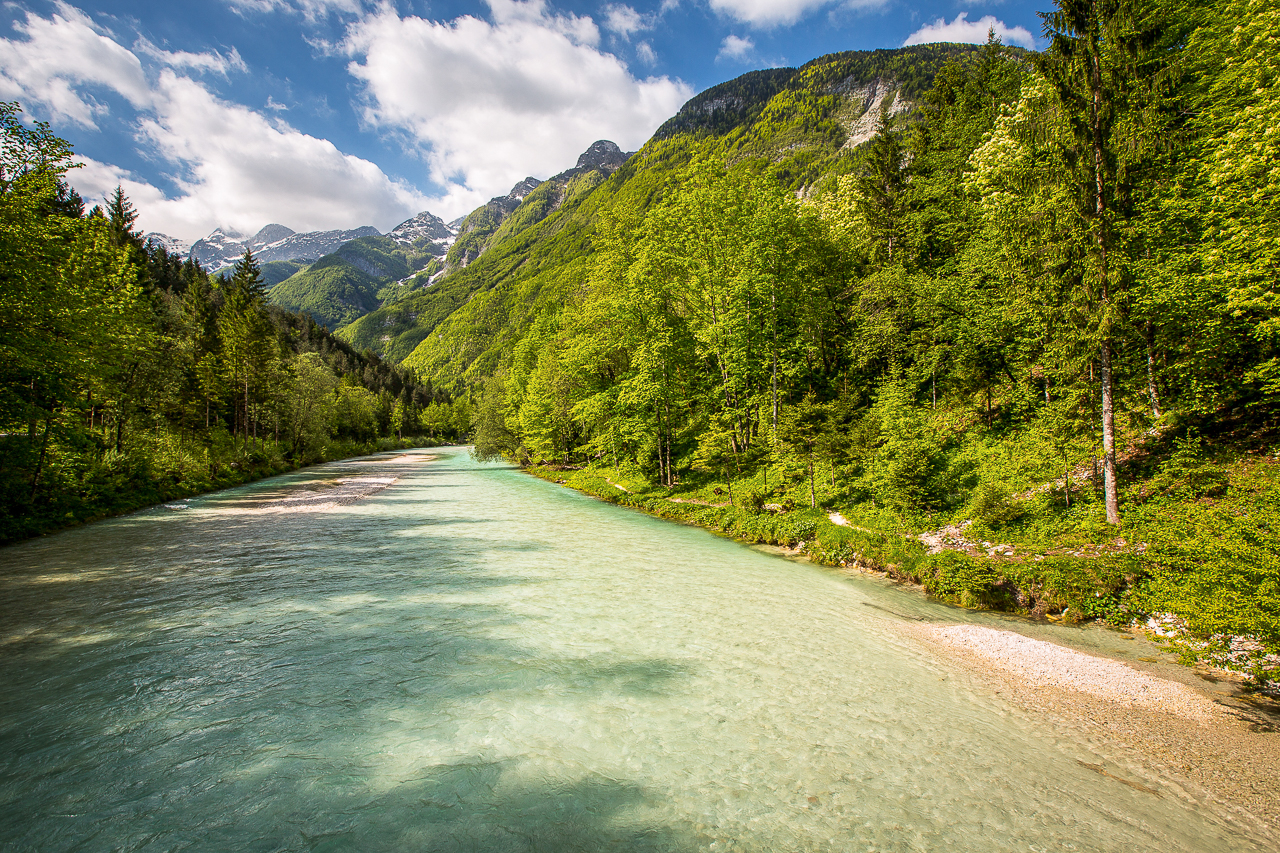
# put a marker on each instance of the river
(475, 660)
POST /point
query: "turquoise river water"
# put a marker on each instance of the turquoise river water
(476, 660)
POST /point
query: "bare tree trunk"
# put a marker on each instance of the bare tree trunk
(1110, 483)
(1109, 439)
(44, 448)
(813, 501)
(1151, 374)
(774, 297)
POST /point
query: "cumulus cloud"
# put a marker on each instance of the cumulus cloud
(211, 61)
(622, 20)
(490, 102)
(735, 48)
(645, 53)
(243, 170)
(970, 32)
(63, 56)
(772, 13)
(310, 9)
(96, 182)
(231, 166)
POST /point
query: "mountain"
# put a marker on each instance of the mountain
(363, 274)
(424, 228)
(222, 249)
(393, 329)
(475, 229)
(514, 265)
(172, 245)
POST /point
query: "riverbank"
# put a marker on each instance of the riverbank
(1221, 744)
(336, 485)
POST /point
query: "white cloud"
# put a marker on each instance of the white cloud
(60, 57)
(212, 61)
(646, 54)
(735, 48)
(309, 9)
(243, 170)
(232, 167)
(970, 32)
(767, 13)
(492, 102)
(622, 20)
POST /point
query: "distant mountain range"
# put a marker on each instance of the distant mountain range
(223, 248)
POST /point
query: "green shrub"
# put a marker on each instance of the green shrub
(992, 508)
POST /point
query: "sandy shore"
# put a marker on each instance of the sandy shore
(333, 485)
(1226, 747)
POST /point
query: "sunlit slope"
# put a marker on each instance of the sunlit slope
(802, 125)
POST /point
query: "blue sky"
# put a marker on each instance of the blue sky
(337, 113)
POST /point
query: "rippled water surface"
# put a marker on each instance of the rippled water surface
(476, 660)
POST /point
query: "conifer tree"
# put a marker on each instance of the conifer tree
(247, 276)
(1100, 64)
(122, 215)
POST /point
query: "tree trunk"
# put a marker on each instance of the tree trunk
(774, 297)
(1151, 374)
(1100, 231)
(44, 448)
(813, 501)
(1109, 438)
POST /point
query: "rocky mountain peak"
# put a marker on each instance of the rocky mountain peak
(522, 189)
(602, 154)
(426, 226)
(269, 234)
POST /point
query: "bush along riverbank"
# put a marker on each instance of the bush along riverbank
(1196, 565)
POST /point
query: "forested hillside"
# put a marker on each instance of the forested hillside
(129, 376)
(1032, 320)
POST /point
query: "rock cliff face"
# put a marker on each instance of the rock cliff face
(879, 94)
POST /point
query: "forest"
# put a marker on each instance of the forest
(129, 376)
(1020, 347)
(1011, 333)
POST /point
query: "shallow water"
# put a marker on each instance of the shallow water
(477, 660)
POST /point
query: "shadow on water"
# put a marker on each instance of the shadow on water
(469, 808)
(202, 680)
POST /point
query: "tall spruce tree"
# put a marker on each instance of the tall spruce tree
(1101, 65)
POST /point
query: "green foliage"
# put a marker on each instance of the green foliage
(128, 376)
(333, 295)
(274, 272)
(907, 468)
(991, 507)
(1216, 564)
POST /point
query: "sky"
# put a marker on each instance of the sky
(325, 114)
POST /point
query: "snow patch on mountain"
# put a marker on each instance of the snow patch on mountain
(426, 227)
(222, 249)
(172, 245)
